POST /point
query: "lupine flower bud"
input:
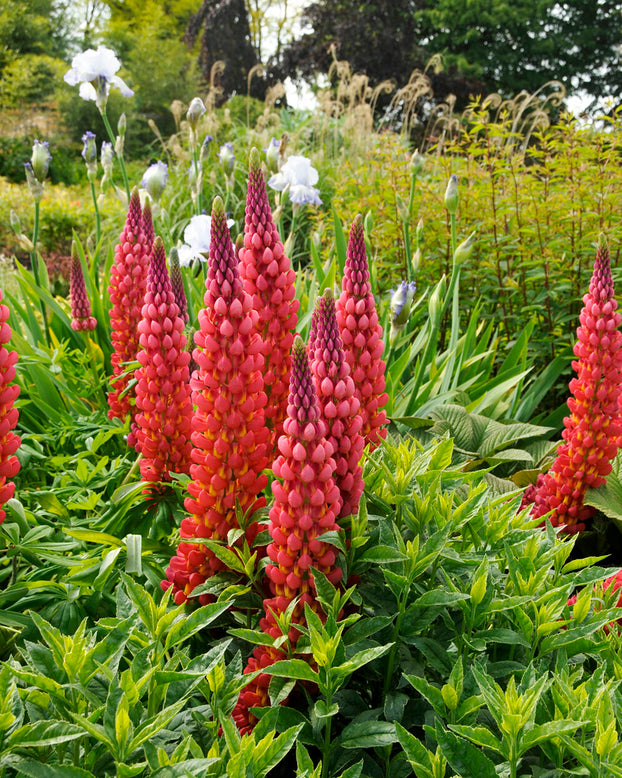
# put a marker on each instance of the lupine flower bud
(362, 337)
(89, 154)
(593, 431)
(196, 109)
(401, 304)
(228, 429)
(451, 194)
(128, 284)
(338, 402)
(306, 505)
(9, 441)
(40, 160)
(154, 180)
(163, 403)
(268, 277)
(177, 284)
(81, 318)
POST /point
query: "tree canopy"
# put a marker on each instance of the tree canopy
(487, 45)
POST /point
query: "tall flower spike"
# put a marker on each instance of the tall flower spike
(362, 337)
(148, 231)
(339, 405)
(9, 441)
(593, 431)
(164, 406)
(269, 279)
(128, 284)
(81, 318)
(178, 285)
(305, 506)
(229, 435)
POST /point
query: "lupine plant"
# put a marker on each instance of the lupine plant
(81, 318)
(9, 392)
(593, 431)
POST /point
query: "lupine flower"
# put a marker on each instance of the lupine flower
(401, 303)
(593, 431)
(128, 284)
(9, 441)
(197, 239)
(89, 154)
(154, 180)
(305, 506)
(81, 318)
(178, 285)
(163, 403)
(269, 279)
(338, 402)
(95, 71)
(299, 174)
(229, 435)
(148, 231)
(613, 584)
(362, 337)
(227, 157)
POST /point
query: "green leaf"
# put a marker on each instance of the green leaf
(189, 625)
(44, 733)
(383, 555)
(439, 598)
(481, 736)
(362, 658)
(501, 635)
(416, 753)
(34, 769)
(548, 731)
(368, 734)
(153, 725)
(276, 750)
(463, 757)
(296, 669)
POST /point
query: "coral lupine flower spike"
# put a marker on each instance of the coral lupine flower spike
(339, 404)
(164, 406)
(362, 337)
(128, 284)
(9, 441)
(593, 431)
(81, 318)
(229, 434)
(269, 279)
(305, 506)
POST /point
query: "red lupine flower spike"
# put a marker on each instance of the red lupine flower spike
(229, 432)
(593, 431)
(305, 506)
(128, 284)
(339, 404)
(178, 285)
(362, 337)
(9, 441)
(81, 318)
(269, 279)
(163, 402)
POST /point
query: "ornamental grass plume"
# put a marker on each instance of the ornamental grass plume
(9, 441)
(269, 279)
(229, 434)
(338, 402)
(593, 431)
(81, 318)
(362, 337)
(163, 402)
(128, 284)
(305, 506)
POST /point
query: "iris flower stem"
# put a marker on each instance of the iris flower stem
(98, 224)
(112, 137)
(195, 162)
(34, 261)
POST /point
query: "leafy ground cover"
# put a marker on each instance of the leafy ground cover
(440, 626)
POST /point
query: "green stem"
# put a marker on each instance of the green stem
(112, 137)
(34, 262)
(327, 736)
(195, 162)
(98, 224)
